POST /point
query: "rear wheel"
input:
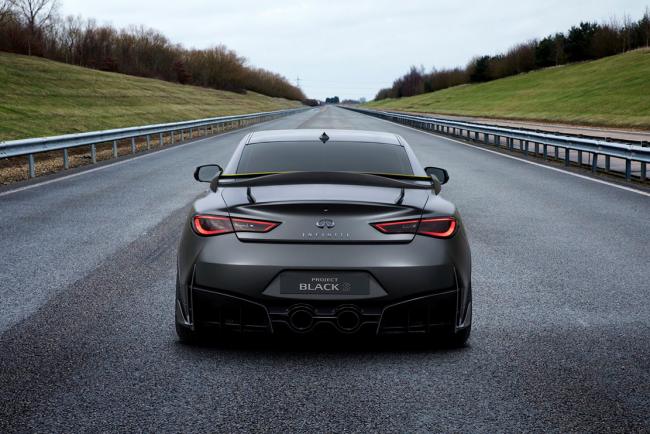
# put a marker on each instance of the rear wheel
(458, 339)
(187, 335)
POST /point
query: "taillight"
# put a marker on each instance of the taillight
(246, 225)
(438, 227)
(208, 225)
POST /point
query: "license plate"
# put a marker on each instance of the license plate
(317, 283)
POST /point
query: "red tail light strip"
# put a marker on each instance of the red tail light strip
(246, 225)
(436, 227)
(401, 227)
(439, 227)
(209, 225)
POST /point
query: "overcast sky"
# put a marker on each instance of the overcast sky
(351, 48)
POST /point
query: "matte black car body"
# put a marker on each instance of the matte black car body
(233, 282)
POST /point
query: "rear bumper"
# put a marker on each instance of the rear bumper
(218, 311)
(230, 285)
(246, 269)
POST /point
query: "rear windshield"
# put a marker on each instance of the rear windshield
(330, 157)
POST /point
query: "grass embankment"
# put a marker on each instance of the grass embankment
(40, 97)
(614, 92)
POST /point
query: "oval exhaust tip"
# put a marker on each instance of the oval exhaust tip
(301, 319)
(348, 320)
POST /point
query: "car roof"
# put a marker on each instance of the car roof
(335, 135)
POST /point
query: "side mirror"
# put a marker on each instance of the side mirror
(441, 174)
(207, 173)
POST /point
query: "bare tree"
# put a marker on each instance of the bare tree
(645, 24)
(5, 10)
(36, 14)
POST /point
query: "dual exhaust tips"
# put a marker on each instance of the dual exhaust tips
(303, 318)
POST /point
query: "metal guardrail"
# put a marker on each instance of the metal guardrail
(174, 131)
(562, 147)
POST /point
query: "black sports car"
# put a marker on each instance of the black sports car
(306, 231)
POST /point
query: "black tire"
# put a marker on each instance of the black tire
(186, 335)
(458, 339)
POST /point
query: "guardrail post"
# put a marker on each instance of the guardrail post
(628, 170)
(579, 158)
(173, 137)
(607, 163)
(32, 170)
(148, 141)
(486, 138)
(557, 152)
(497, 140)
(182, 135)
(526, 147)
(133, 145)
(66, 162)
(643, 173)
(545, 148)
(93, 153)
(536, 148)
(567, 157)
(594, 163)
(160, 139)
(114, 148)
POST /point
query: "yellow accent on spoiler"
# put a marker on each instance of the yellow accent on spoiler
(401, 175)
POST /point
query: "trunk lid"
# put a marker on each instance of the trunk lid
(324, 213)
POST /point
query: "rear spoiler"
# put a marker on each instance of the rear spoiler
(351, 178)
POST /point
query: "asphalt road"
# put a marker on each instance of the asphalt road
(561, 338)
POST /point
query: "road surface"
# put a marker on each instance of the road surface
(561, 338)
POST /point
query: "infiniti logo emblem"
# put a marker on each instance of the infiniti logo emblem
(325, 223)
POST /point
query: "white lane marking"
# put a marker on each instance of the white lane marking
(577, 175)
(117, 163)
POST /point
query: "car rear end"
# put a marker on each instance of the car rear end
(310, 258)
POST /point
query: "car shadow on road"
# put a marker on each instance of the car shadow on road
(325, 343)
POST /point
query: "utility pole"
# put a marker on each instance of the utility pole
(298, 81)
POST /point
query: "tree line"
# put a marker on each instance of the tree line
(34, 27)
(586, 41)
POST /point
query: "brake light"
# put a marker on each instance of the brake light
(209, 225)
(404, 227)
(438, 227)
(246, 225)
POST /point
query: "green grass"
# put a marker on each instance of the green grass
(40, 97)
(613, 91)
